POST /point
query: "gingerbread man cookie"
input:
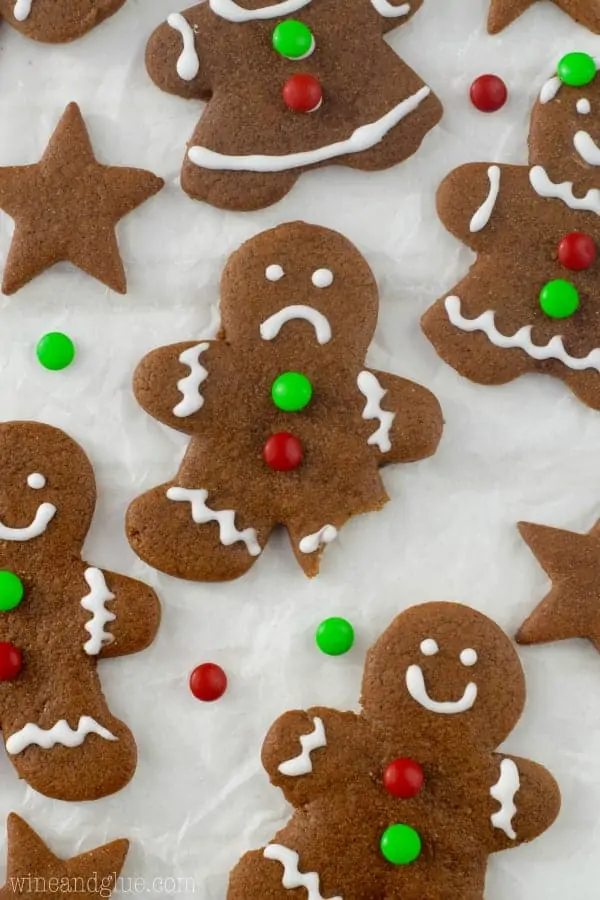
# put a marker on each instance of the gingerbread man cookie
(58, 617)
(503, 12)
(408, 798)
(57, 21)
(288, 427)
(529, 303)
(290, 86)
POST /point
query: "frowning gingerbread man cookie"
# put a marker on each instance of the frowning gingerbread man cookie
(58, 617)
(408, 798)
(530, 302)
(290, 86)
(287, 425)
(503, 12)
(57, 21)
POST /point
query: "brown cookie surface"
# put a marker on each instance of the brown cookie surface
(297, 299)
(503, 12)
(250, 147)
(57, 21)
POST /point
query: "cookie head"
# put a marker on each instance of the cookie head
(444, 673)
(300, 285)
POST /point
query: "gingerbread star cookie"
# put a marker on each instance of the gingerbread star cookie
(503, 12)
(56, 21)
(33, 871)
(66, 208)
(571, 609)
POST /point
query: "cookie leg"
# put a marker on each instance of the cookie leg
(194, 535)
(256, 877)
(240, 191)
(309, 538)
(586, 386)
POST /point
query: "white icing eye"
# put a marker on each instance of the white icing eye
(322, 278)
(429, 647)
(584, 107)
(36, 481)
(274, 273)
(468, 657)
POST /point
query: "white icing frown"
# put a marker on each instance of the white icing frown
(416, 687)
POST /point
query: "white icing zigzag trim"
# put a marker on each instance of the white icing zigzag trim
(188, 64)
(271, 327)
(544, 187)
(228, 9)
(61, 733)
(521, 340)
(292, 877)
(388, 11)
(483, 215)
(504, 791)
(202, 514)
(302, 764)
(312, 542)
(371, 389)
(189, 387)
(43, 516)
(94, 602)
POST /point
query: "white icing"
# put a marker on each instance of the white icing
(302, 764)
(370, 388)
(364, 138)
(415, 685)
(95, 602)
(44, 515)
(36, 481)
(483, 215)
(271, 327)
(22, 10)
(543, 186)
(225, 518)
(61, 733)
(550, 89)
(188, 64)
(584, 107)
(388, 11)
(322, 278)
(587, 148)
(274, 273)
(292, 877)
(189, 387)
(308, 53)
(521, 340)
(468, 656)
(312, 542)
(429, 647)
(504, 791)
(228, 9)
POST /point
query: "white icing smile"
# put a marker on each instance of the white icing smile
(44, 515)
(271, 327)
(415, 685)
(587, 148)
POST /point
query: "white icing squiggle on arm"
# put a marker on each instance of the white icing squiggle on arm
(44, 515)
(94, 602)
(483, 215)
(302, 764)
(189, 386)
(504, 791)
(292, 876)
(22, 10)
(188, 64)
(369, 386)
(545, 187)
(312, 542)
(388, 11)
(225, 518)
(61, 733)
(228, 9)
(271, 327)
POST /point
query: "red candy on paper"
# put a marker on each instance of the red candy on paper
(403, 778)
(283, 452)
(302, 93)
(577, 251)
(488, 93)
(208, 682)
(11, 661)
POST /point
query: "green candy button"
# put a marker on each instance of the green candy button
(11, 591)
(291, 392)
(400, 845)
(293, 40)
(335, 636)
(55, 351)
(577, 69)
(559, 299)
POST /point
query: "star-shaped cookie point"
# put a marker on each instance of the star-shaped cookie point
(66, 208)
(571, 609)
(33, 870)
(504, 12)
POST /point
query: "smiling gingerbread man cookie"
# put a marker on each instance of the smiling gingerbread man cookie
(58, 617)
(287, 425)
(408, 798)
(530, 302)
(290, 86)
(57, 21)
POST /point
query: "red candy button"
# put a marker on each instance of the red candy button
(11, 661)
(283, 452)
(577, 251)
(403, 778)
(302, 93)
(488, 93)
(208, 682)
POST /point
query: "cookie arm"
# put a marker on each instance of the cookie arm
(525, 802)
(176, 57)
(405, 419)
(467, 201)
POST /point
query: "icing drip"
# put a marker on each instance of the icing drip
(584, 107)
(271, 327)
(312, 542)
(94, 602)
(189, 387)
(61, 733)
(550, 89)
(521, 340)
(292, 877)
(587, 148)
(388, 11)
(225, 518)
(302, 764)
(228, 9)
(188, 64)
(364, 138)
(543, 186)
(370, 388)
(22, 10)
(44, 515)
(484, 213)
(504, 791)
(415, 685)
